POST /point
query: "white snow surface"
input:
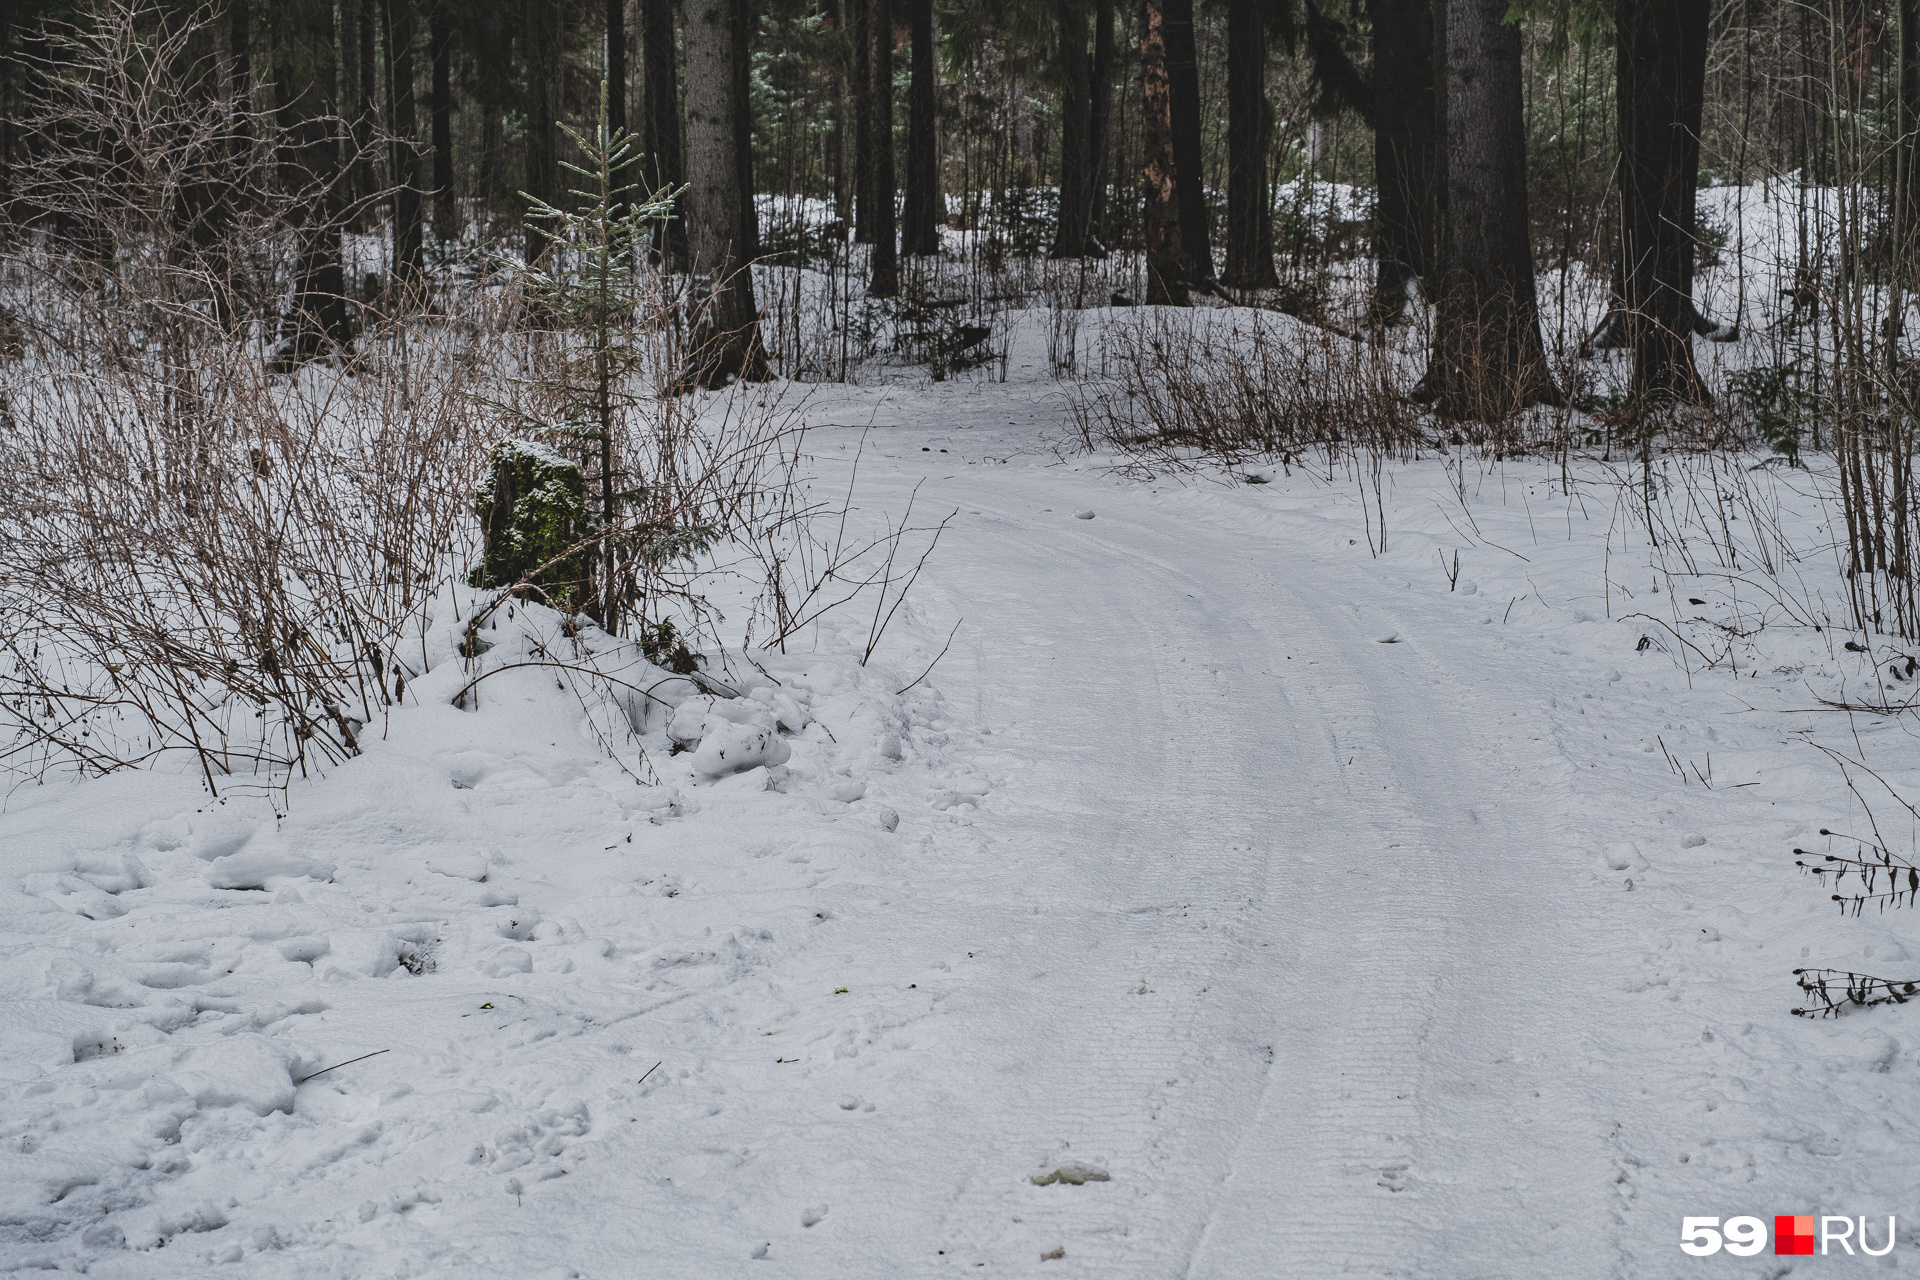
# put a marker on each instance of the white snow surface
(1175, 925)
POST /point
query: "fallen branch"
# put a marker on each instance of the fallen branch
(336, 1066)
(936, 658)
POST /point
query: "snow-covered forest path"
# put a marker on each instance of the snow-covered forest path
(1315, 912)
(1282, 921)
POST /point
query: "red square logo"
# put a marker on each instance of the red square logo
(1793, 1233)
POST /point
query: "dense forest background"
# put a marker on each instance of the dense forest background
(992, 119)
(236, 232)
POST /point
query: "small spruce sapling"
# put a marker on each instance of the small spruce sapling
(586, 288)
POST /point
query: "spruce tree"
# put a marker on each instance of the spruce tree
(587, 291)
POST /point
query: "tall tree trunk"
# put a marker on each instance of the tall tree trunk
(544, 33)
(446, 216)
(208, 191)
(1100, 123)
(493, 156)
(660, 87)
(743, 21)
(1909, 148)
(240, 50)
(859, 88)
(883, 277)
(726, 342)
(924, 213)
(1076, 125)
(1166, 259)
(408, 233)
(617, 87)
(1403, 149)
(838, 155)
(308, 161)
(1249, 138)
(1661, 65)
(1487, 361)
(1183, 74)
(366, 118)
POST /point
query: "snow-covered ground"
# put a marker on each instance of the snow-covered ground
(1228, 901)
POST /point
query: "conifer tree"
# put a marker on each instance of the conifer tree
(585, 287)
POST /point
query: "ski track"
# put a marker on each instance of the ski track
(1352, 900)
(1293, 933)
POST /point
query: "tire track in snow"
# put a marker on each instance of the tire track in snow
(1409, 931)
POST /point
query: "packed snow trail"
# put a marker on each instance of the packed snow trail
(1311, 916)
(1289, 952)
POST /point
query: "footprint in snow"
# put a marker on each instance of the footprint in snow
(811, 1216)
(1083, 515)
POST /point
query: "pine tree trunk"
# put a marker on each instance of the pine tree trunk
(1183, 75)
(305, 77)
(859, 88)
(1403, 149)
(726, 341)
(1249, 138)
(1487, 361)
(924, 212)
(1909, 147)
(617, 92)
(838, 154)
(1076, 125)
(883, 278)
(543, 41)
(493, 156)
(1166, 260)
(446, 215)
(366, 123)
(1100, 124)
(208, 201)
(664, 168)
(408, 233)
(1661, 63)
(743, 27)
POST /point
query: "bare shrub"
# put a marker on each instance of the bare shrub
(195, 554)
(1238, 386)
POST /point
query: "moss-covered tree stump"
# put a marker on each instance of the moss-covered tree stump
(532, 510)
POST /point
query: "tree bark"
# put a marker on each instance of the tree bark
(366, 122)
(838, 154)
(408, 233)
(664, 168)
(1183, 74)
(1487, 360)
(1909, 148)
(726, 334)
(617, 94)
(1075, 223)
(1100, 123)
(923, 210)
(859, 88)
(543, 40)
(1249, 138)
(743, 28)
(1661, 65)
(1403, 150)
(305, 77)
(1166, 260)
(446, 214)
(883, 277)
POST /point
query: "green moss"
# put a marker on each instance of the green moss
(531, 512)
